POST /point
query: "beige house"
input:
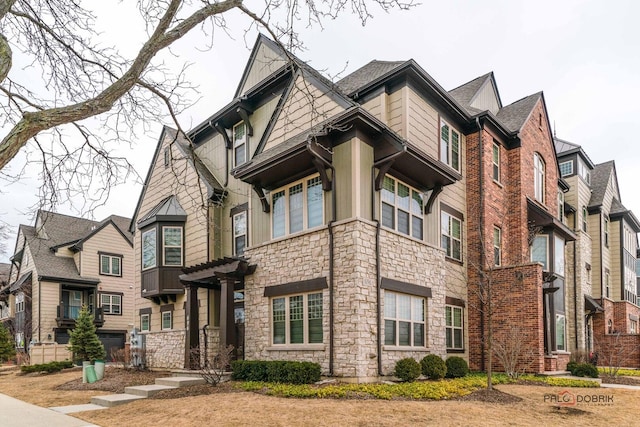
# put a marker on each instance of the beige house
(63, 263)
(308, 220)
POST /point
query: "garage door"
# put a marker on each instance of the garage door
(111, 341)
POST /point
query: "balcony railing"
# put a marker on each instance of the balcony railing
(67, 315)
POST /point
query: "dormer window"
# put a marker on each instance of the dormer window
(239, 144)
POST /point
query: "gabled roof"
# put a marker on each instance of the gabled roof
(120, 223)
(599, 181)
(62, 230)
(515, 115)
(366, 74)
(566, 148)
(465, 94)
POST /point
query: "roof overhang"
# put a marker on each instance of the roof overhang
(18, 284)
(208, 274)
(538, 216)
(592, 305)
(75, 281)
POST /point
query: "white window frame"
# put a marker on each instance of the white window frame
(568, 170)
(146, 316)
(155, 249)
(391, 314)
(110, 302)
(448, 138)
(166, 316)
(412, 206)
(495, 160)
(111, 259)
(561, 321)
(446, 232)
(239, 225)
(285, 193)
(451, 327)
(307, 312)
(539, 176)
(497, 246)
(240, 143)
(165, 246)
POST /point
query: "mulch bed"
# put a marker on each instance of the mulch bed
(115, 380)
(606, 379)
(491, 396)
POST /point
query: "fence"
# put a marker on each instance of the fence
(45, 353)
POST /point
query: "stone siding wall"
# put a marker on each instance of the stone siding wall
(165, 349)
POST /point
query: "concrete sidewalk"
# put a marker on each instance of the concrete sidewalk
(16, 413)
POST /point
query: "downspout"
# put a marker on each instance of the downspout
(602, 288)
(481, 228)
(575, 285)
(331, 258)
(378, 269)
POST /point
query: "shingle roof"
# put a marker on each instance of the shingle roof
(123, 225)
(366, 74)
(61, 229)
(514, 115)
(464, 93)
(599, 181)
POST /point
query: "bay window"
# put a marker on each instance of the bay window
(172, 246)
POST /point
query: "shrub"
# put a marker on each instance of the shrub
(83, 340)
(433, 367)
(571, 366)
(278, 371)
(47, 367)
(407, 369)
(456, 367)
(7, 347)
(585, 370)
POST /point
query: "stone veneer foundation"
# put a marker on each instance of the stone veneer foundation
(165, 349)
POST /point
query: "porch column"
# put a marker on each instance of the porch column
(192, 337)
(227, 316)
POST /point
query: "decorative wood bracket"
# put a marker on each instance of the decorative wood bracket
(245, 118)
(324, 177)
(225, 136)
(263, 199)
(384, 168)
(432, 198)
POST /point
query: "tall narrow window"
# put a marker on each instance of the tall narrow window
(172, 245)
(451, 241)
(145, 324)
(239, 144)
(607, 288)
(167, 320)
(558, 255)
(584, 219)
(560, 332)
(606, 232)
(454, 330)
(560, 205)
(149, 249)
(496, 161)
(497, 246)
(538, 177)
(449, 145)
(239, 233)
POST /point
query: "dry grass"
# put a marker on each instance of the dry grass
(242, 408)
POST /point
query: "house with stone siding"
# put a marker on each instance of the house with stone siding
(61, 264)
(605, 254)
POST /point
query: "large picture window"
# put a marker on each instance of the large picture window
(297, 207)
(111, 303)
(404, 320)
(451, 235)
(449, 145)
(454, 329)
(172, 245)
(149, 249)
(110, 265)
(402, 208)
(297, 319)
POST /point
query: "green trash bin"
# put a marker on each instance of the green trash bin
(91, 374)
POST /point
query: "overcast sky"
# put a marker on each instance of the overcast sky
(584, 55)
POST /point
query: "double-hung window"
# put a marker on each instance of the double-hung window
(145, 322)
(606, 232)
(167, 320)
(297, 319)
(584, 219)
(451, 233)
(454, 330)
(495, 160)
(449, 145)
(538, 177)
(172, 245)
(297, 207)
(110, 265)
(111, 303)
(404, 320)
(497, 246)
(239, 233)
(402, 208)
(239, 144)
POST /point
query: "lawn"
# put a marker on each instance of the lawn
(230, 407)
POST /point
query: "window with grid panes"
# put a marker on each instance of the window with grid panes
(110, 265)
(111, 303)
(297, 207)
(454, 330)
(404, 320)
(401, 208)
(172, 245)
(297, 319)
(449, 145)
(239, 144)
(239, 233)
(451, 235)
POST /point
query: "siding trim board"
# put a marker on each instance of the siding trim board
(300, 287)
(405, 288)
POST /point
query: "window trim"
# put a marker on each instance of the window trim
(306, 333)
(547, 264)
(453, 327)
(316, 182)
(497, 246)
(165, 246)
(539, 177)
(111, 295)
(111, 258)
(570, 169)
(20, 305)
(412, 211)
(584, 219)
(562, 316)
(451, 216)
(496, 170)
(605, 230)
(148, 317)
(411, 321)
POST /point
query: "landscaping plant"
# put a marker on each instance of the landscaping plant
(433, 367)
(407, 369)
(457, 367)
(83, 340)
(7, 346)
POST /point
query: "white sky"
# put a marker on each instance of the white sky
(584, 55)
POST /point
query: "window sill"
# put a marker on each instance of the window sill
(498, 183)
(456, 350)
(453, 260)
(403, 348)
(297, 347)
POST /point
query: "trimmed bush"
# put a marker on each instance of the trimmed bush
(277, 371)
(585, 370)
(47, 367)
(407, 369)
(571, 366)
(456, 367)
(433, 367)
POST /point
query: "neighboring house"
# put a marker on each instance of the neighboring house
(63, 263)
(5, 270)
(607, 247)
